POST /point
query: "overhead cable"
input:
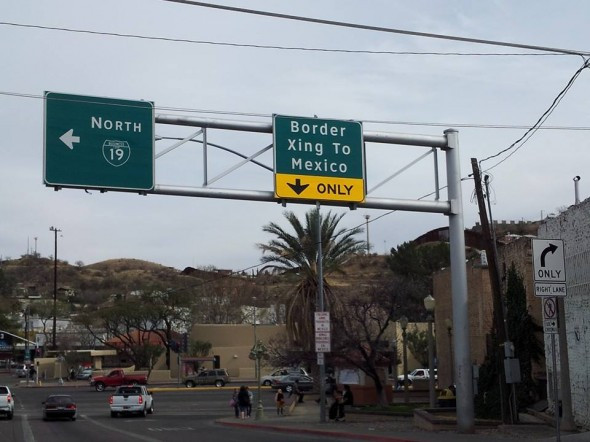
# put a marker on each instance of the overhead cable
(277, 47)
(381, 29)
(388, 122)
(531, 131)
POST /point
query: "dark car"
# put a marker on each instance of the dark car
(286, 383)
(58, 406)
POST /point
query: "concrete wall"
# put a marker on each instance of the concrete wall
(573, 227)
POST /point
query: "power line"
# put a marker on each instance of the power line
(277, 47)
(387, 122)
(381, 29)
(532, 130)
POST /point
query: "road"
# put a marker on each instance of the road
(178, 416)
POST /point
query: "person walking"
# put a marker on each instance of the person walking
(295, 390)
(243, 401)
(250, 401)
(280, 401)
(233, 402)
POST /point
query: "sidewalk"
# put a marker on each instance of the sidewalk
(305, 419)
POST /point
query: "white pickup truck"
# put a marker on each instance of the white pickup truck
(419, 374)
(6, 402)
(131, 399)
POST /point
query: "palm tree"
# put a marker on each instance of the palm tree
(298, 254)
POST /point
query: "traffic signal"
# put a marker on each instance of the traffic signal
(184, 343)
(174, 346)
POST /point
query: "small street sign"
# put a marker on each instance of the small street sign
(550, 320)
(549, 267)
(318, 159)
(549, 308)
(93, 142)
(320, 358)
(550, 326)
(322, 332)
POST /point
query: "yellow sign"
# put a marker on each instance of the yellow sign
(319, 188)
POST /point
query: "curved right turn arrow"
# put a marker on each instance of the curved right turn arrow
(551, 248)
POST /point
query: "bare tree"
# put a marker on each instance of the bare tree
(360, 329)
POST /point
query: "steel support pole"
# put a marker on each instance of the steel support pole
(54, 230)
(320, 266)
(464, 374)
(555, 388)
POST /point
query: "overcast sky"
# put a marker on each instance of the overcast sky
(250, 84)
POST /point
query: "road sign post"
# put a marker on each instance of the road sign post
(93, 142)
(318, 159)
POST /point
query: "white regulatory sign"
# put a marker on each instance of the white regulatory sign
(550, 326)
(548, 260)
(549, 267)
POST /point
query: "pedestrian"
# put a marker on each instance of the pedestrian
(72, 373)
(347, 397)
(233, 402)
(295, 390)
(250, 401)
(243, 401)
(336, 411)
(280, 401)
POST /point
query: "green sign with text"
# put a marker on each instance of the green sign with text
(319, 159)
(94, 142)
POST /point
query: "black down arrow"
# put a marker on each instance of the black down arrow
(298, 187)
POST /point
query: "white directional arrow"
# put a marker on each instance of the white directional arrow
(69, 139)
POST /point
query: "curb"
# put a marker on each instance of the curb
(341, 435)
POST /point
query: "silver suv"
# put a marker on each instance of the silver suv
(217, 377)
(277, 374)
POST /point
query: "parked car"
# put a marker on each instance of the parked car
(287, 382)
(267, 379)
(117, 377)
(131, 399)
(85, 374)
(217, 377)
(6, 402)
(21, 370)
(59, 405)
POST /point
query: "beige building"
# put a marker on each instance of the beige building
(233, 342)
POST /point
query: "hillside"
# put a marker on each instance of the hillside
(93, 283)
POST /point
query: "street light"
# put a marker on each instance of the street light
(403, 322)
(258, 351)
(449, 325)
(367, 224)
(54, 230)
(429, 304)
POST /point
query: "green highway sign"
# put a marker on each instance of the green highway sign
(94, 142)
(319, 159)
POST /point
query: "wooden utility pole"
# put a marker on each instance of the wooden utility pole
(499, 320)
